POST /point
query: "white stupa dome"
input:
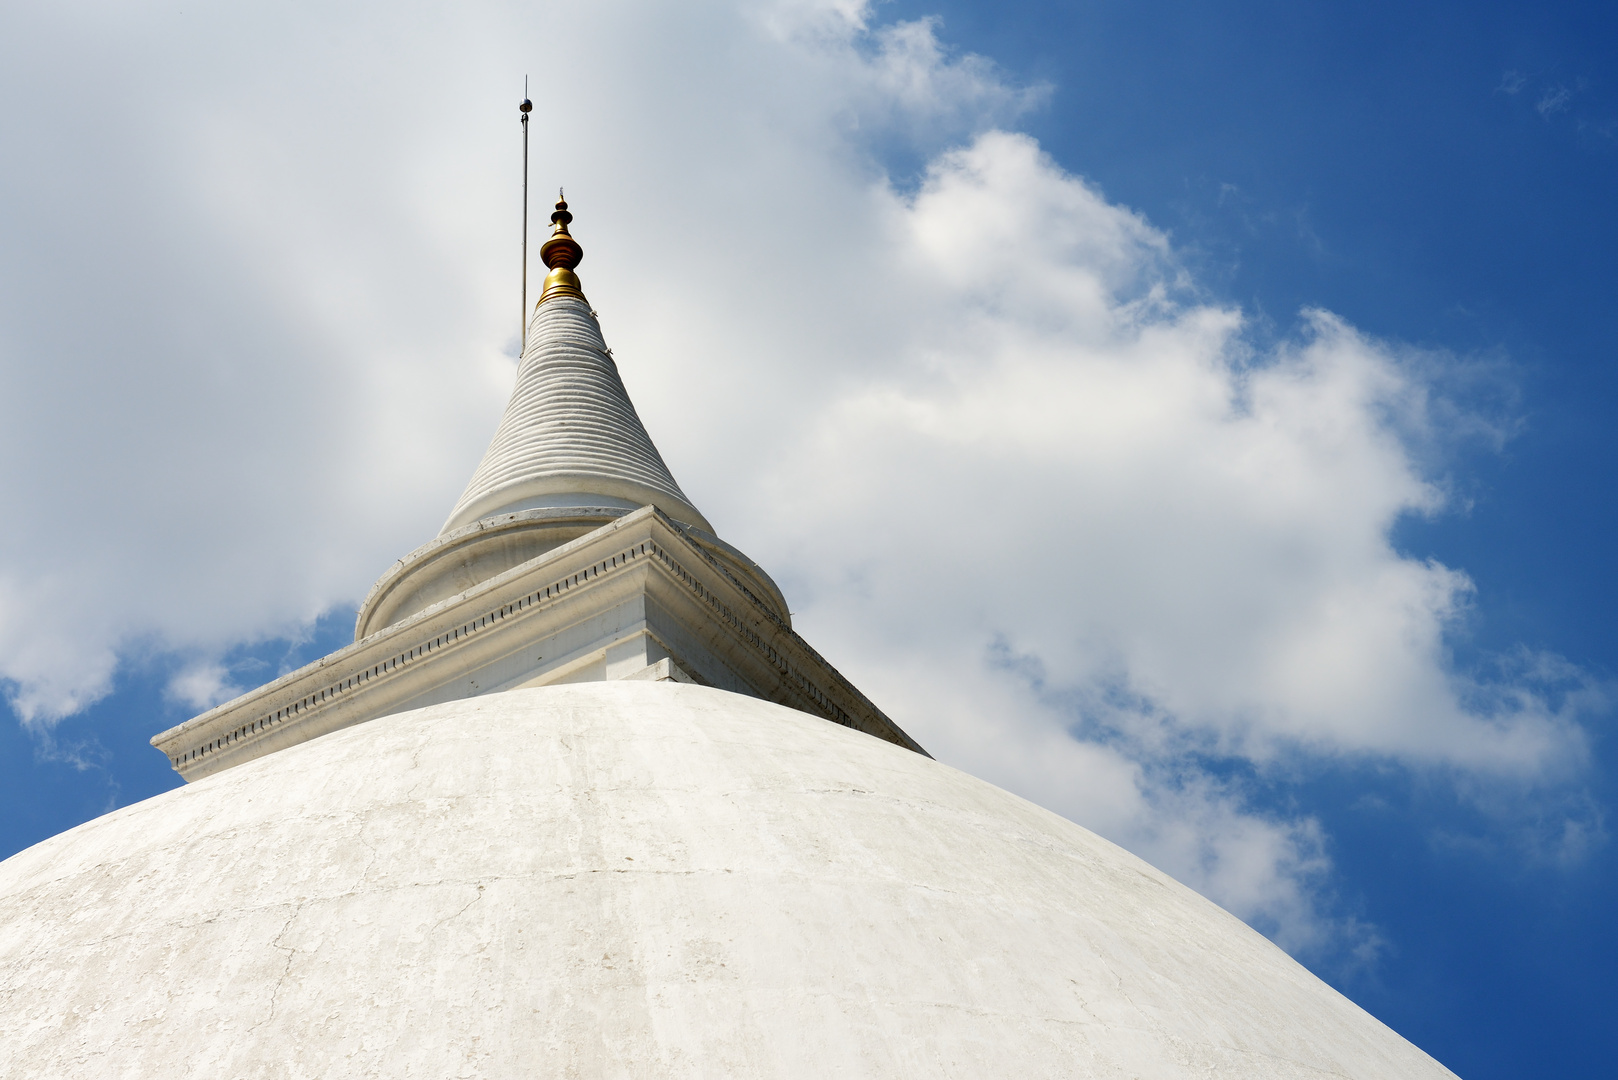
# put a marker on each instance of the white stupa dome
(634, 879)
(579, 802)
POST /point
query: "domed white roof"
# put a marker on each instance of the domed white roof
(634, 879)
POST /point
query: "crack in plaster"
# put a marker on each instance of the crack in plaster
(458, 914)
(275, 992)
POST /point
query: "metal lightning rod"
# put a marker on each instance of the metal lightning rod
(525, 108)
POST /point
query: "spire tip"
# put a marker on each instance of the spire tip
(561, 253)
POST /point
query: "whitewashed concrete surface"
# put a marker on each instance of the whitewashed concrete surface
(633, 879)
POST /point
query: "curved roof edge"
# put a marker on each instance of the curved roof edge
(564, 489)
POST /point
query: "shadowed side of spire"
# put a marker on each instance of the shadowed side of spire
(570, 436)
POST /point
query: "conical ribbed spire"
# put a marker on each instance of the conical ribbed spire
(570, 436)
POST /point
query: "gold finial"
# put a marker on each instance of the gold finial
(561, 253)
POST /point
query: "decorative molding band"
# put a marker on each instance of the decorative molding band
(408, 656)
(829, 709)
(800, 684)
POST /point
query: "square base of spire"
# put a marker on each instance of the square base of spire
(632, 596)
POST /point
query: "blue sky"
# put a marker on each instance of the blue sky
(1438, 177)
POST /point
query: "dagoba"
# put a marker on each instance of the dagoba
(579, 802)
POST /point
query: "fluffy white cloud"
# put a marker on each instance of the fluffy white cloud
(1150, 507)
(203, 685)
(1040, 499)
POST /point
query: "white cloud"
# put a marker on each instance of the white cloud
(202, 685)
(1125, 489)
(1040, 499)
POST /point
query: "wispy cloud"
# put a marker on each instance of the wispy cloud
(1553, 100)
(1554, 96)
(202, 686)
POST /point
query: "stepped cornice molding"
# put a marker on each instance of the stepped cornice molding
(633, 592)
(457, 561)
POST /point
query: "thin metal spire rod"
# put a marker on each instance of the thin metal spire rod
(526, 107)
